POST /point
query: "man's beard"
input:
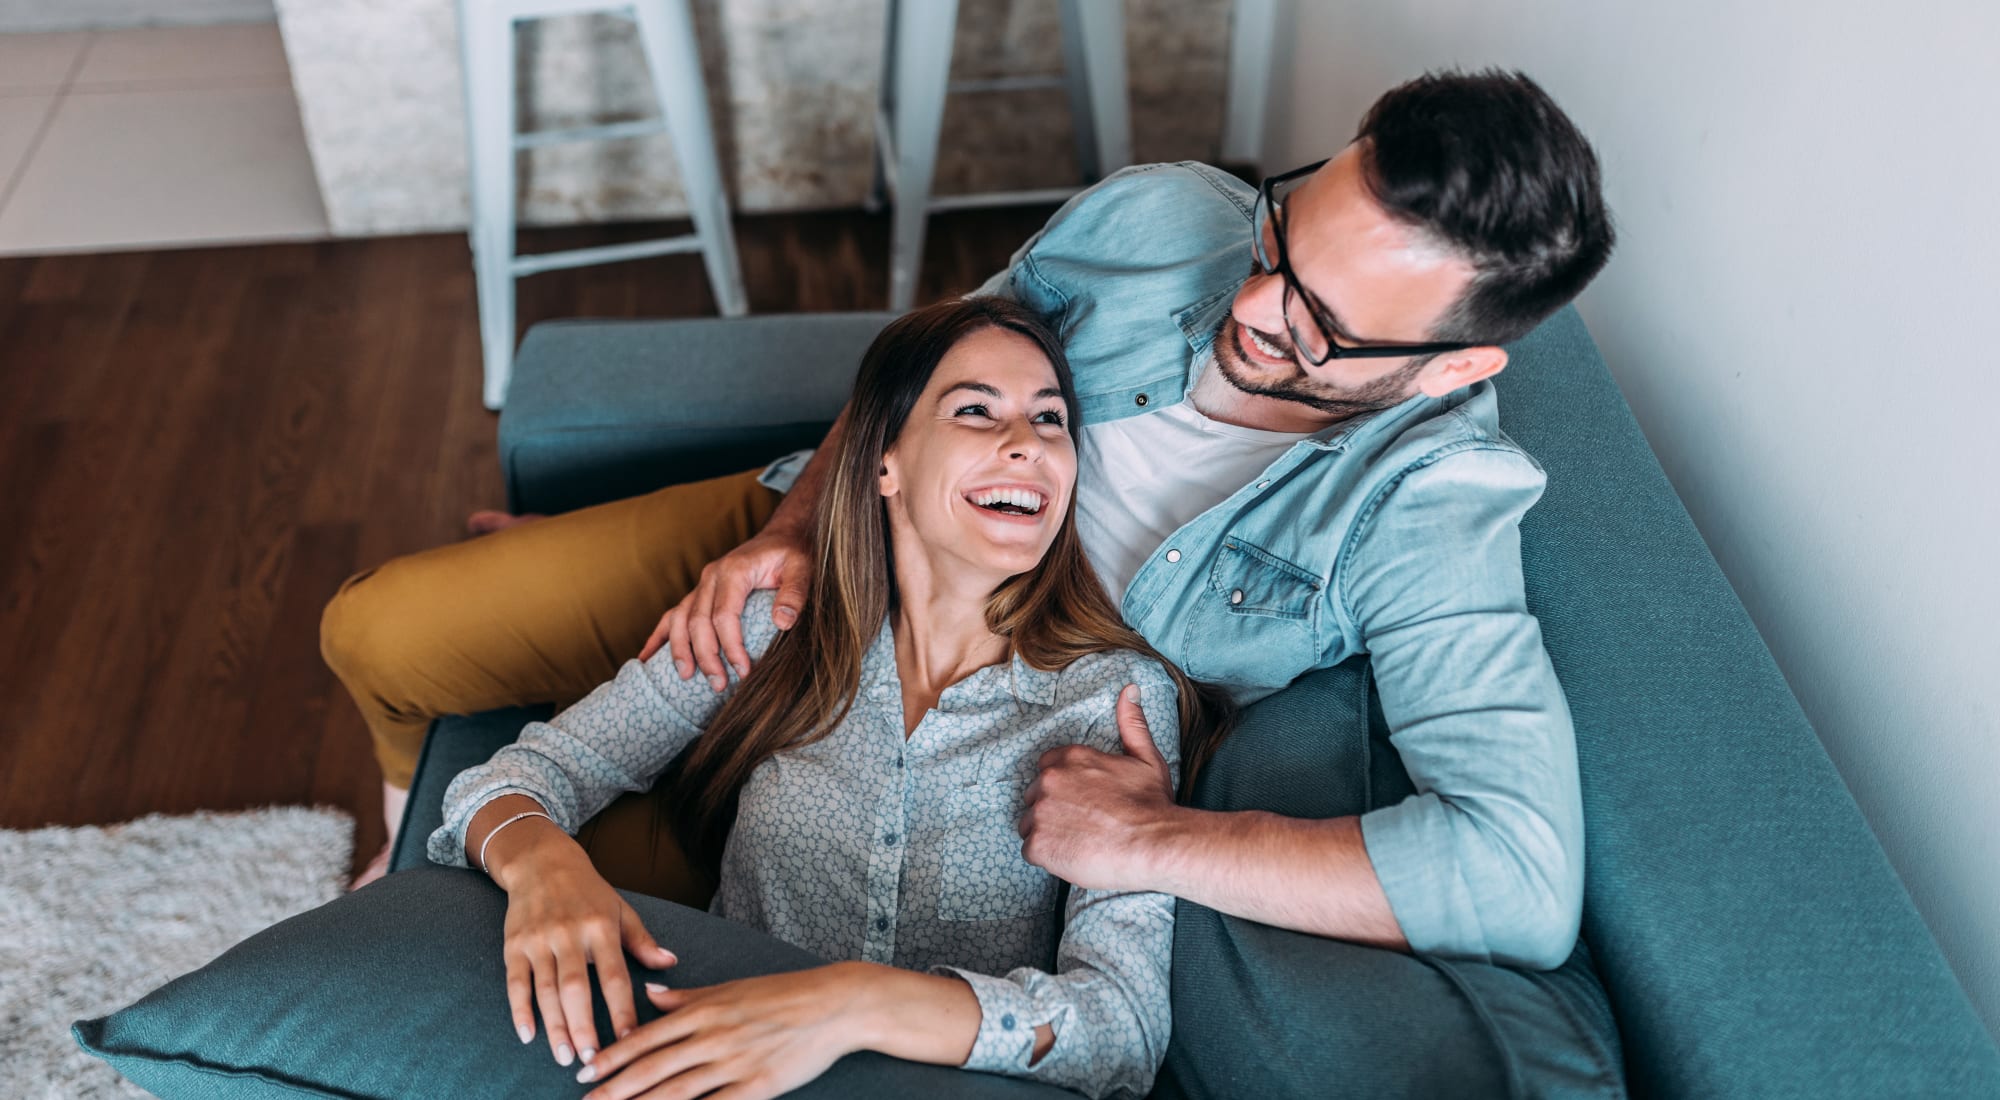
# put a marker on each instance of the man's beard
(1337, 401)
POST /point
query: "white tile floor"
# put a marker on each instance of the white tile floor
(151, 138)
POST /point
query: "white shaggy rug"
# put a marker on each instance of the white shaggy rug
(93, 918)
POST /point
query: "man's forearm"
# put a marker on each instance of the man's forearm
(1307, 875)
(795, 512)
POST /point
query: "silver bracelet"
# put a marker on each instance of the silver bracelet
(489, 836)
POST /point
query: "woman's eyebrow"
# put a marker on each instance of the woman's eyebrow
(994, 391)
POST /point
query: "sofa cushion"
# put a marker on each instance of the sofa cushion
(1264, 1012)
(398, 990)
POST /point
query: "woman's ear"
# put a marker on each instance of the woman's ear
(887, 475)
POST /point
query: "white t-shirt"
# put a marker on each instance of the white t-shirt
(1144, 477)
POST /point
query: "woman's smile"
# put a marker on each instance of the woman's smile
(1013, 503)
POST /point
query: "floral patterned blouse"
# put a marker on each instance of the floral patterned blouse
(865, 845)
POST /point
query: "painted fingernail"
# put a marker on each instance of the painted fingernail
(563, 1055)
(586, 1054)
(526, 1033)
(586, 1074)
(716, 682)
(622, 1032)
(655, 987)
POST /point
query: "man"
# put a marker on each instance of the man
(1284, 470)
(1279, 471)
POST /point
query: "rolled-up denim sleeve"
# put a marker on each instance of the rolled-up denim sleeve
(1485, 860)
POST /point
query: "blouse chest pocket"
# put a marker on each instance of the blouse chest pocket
(1254, 624)
(981, 875)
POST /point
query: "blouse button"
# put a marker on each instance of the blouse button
(890, 839)
(881, 924)
(1236, 596)
(1141, 399)
(1173, 555)
(1007, 1021)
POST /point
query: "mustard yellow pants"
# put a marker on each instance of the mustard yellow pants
(538, 613)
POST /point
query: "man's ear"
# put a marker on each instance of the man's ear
(1459, 369)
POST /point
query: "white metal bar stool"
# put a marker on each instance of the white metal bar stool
(916, 70)
(486, 43)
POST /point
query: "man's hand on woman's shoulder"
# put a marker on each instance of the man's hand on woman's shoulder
(706, 627)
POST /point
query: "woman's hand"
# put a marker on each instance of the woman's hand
(751, 1039)
(707, 625)
(563, 916)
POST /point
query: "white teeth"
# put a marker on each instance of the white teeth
(1264, 345)
(1025, 499)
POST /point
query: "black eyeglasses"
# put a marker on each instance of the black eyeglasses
(1305, 318)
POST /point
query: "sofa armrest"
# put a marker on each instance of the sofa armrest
(451, 745)
(1748, 926)
(602, 410)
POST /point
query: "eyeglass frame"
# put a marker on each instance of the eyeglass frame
(1267, 208)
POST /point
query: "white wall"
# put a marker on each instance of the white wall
(1802, 313)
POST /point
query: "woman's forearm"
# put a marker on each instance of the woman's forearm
(922, 1017)
(515, 841)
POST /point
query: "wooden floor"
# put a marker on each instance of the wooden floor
(197, 447)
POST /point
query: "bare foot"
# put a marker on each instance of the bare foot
(376, 868)
(486, 520)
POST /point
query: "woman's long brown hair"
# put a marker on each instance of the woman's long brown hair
(805, 683)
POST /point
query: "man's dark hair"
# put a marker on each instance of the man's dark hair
(1487, 165)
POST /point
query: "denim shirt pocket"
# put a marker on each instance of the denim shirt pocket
(1255, 623)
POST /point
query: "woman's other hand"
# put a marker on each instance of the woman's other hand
(562, 917)
(751, 1039)
(706, 627)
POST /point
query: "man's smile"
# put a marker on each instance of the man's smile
(1259, 346)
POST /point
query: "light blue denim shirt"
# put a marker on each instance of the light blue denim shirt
(868, 845)
(1396, 535)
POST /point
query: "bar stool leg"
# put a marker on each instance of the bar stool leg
(666, 32)
(923, 34)
(487, 48)
(885, 108)
(1076, 82)
(1099, 26)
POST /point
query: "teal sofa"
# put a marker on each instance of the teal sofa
(1743, 933)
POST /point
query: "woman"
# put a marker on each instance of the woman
(858, 790)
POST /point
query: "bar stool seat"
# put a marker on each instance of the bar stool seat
(486, 43)
(915, 80)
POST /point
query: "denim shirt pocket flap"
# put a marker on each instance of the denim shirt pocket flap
(1254, 581)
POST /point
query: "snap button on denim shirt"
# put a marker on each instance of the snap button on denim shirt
(1395, 534)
